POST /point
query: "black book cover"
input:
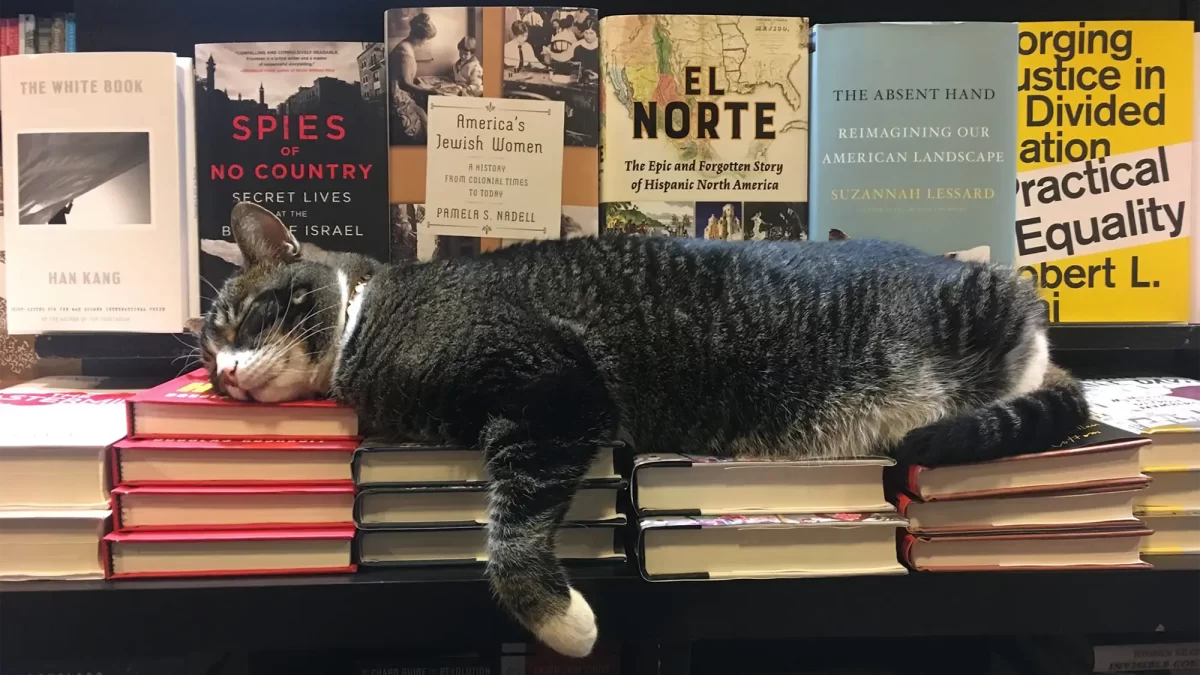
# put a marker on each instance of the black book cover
(299, 128)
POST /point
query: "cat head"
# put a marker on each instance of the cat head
(273, 331)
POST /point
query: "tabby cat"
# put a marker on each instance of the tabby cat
(535, 352)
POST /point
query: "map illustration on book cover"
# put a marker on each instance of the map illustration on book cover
(1104, 166)
(533, 54)
(298, 128)
(914, 136)
(704, 126)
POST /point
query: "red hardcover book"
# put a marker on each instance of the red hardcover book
(1025, 551)
(212, 507)
(174, 461)
(1092, 458)
(187, 407)
(228, 553)
(1108, 507)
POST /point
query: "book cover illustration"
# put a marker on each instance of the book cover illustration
(1146, 405)
(298, 128)
(1104, 168)
(529, 53)
(914, 135)
(704, 125)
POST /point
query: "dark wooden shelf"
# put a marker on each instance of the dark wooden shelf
(448, 606)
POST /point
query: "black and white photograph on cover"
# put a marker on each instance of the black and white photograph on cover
(431, 51)
(94, 179)
(580, 221)
(551, 53)
(775, 221)
(655, 219)
(406, 219)
(720, 220)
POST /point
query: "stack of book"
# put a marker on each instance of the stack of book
(1070, 507)
(713, 518)
(208, 486)
(54, 503)
(1165, 410)
(421, 504)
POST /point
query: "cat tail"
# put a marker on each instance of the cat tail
(1032, 422)
(531, 484)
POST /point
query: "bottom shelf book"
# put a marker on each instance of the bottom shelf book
(768, 546)
(468, 545)
(229, 553)
(43, 544)
(1175, 543)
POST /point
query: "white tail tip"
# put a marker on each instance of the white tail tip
(572, 633)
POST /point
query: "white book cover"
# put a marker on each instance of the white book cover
(95, 224)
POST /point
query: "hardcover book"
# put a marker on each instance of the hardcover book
(1095, 456)
(187, 407)
(475, 97)
(705, 126)
(672, 484)
(1101, 507)
(57, 431)
(813, 545)
(466, 504)
(914, 135)
(465, 545)
(228, 507)
(298, 128)
(45, 544)
(97, 225)
(240, 461)
(1165, 409)
(382, 463)
(1104, 168)
(228, 552)
(1091, 550)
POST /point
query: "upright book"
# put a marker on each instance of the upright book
(97, 226)
(1104, 168)
(298, 128)
(705, 126)
(914, 135)
(493, 122)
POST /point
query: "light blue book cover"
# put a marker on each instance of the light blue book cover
(914, 135)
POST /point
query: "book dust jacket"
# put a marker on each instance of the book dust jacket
(1104, 168)
(704, 126)
(299, 128)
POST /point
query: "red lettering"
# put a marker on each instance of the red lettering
(266, 124)
(308, 128)
(260, 172)
(241, 129)
(336, 131)
(348, 171)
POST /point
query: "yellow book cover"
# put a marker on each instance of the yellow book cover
(1104, 168)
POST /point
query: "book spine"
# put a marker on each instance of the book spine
(8, 36)
(44, 26)
(71, 32)
(58, 33)
(28, 34)
(191, 222)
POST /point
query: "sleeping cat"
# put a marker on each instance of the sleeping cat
(535, 352)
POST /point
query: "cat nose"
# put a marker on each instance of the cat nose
(228, 375)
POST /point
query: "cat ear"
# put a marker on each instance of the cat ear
(262, 238)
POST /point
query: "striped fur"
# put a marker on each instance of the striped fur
(761, 349)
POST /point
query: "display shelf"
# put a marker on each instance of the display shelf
(1137, 337)
(448, 606)
(1144, 337)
